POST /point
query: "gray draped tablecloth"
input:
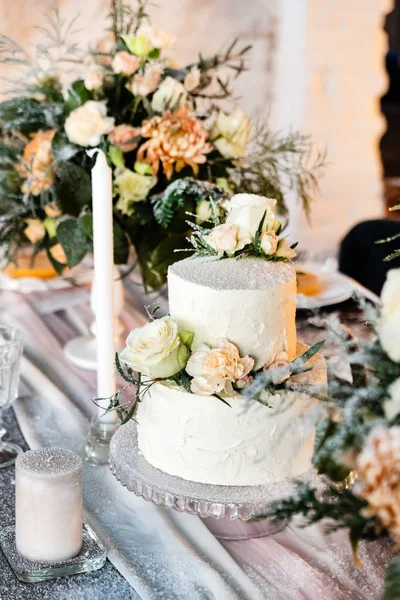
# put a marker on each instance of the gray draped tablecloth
(161, 554)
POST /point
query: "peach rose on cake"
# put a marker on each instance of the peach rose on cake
(226, 238)
(215, 370)
(156, 350)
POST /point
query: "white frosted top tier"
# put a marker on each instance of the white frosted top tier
(249, 301)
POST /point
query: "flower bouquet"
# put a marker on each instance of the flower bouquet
(360, 438)
(173, 139)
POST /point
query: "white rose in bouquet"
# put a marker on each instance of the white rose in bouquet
(214, 370)
(94, 79)
(389, 323)
(170, 93)
(230, 133)
(156, 350)
(247, 210)
(87, 123)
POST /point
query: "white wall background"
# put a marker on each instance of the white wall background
(317, 65)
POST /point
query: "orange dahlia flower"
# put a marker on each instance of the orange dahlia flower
(176, 139)
(38, 167)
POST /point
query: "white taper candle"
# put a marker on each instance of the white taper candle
(104, 296)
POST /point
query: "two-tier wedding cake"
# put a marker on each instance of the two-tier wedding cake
(232, 318)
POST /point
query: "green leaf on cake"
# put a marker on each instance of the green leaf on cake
(27, 115)
(312, 351)
(73, 239)
(257, 237)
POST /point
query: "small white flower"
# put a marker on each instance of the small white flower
(215, 370)
(94, 79)
(392, 406)
(125, 63)
(389, 323)
(171, 94)
(269, 242)
(226, 238)
(231, 133)
(143, 85)
(87, 123)
(247, 210)
(156, 350)
(192, 79)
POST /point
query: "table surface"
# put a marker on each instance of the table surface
(287, 566)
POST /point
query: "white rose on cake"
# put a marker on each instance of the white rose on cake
(87, 123)
(247, 210)
(389, 323)
(156, 350)
(215, 370)
(226, 238)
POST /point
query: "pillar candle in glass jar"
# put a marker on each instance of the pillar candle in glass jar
(48, 500)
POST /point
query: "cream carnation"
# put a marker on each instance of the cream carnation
(87, 123)
(131, 187)
(125, 63)
(230, 133)
(170, 95)
(389, 323)
(215, 370)
(226, 238)
(247, 210)
(156, 350)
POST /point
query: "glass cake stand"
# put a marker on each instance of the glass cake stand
(228, 510)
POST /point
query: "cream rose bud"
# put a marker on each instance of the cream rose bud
(285, 251)
(94, 79)
(231, 133)
(214, 370)
(269, 242)
(86, 124)
(389, 322)
(192, 79)
(34, 230)
(170, 94)
(125, 63)
(143, 85)
(156, 350)
(225, 238)
(247, 210)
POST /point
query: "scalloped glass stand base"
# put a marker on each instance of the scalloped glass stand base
(91, 558)
(216, 501)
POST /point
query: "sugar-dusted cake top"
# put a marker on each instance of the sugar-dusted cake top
(233, 274)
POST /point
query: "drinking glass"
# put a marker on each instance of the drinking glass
(10, 359)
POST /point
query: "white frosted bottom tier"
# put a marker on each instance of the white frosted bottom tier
(202, 439)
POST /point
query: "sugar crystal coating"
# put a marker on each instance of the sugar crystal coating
(232, 273)
(49, 461)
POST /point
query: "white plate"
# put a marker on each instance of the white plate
(337, 287)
